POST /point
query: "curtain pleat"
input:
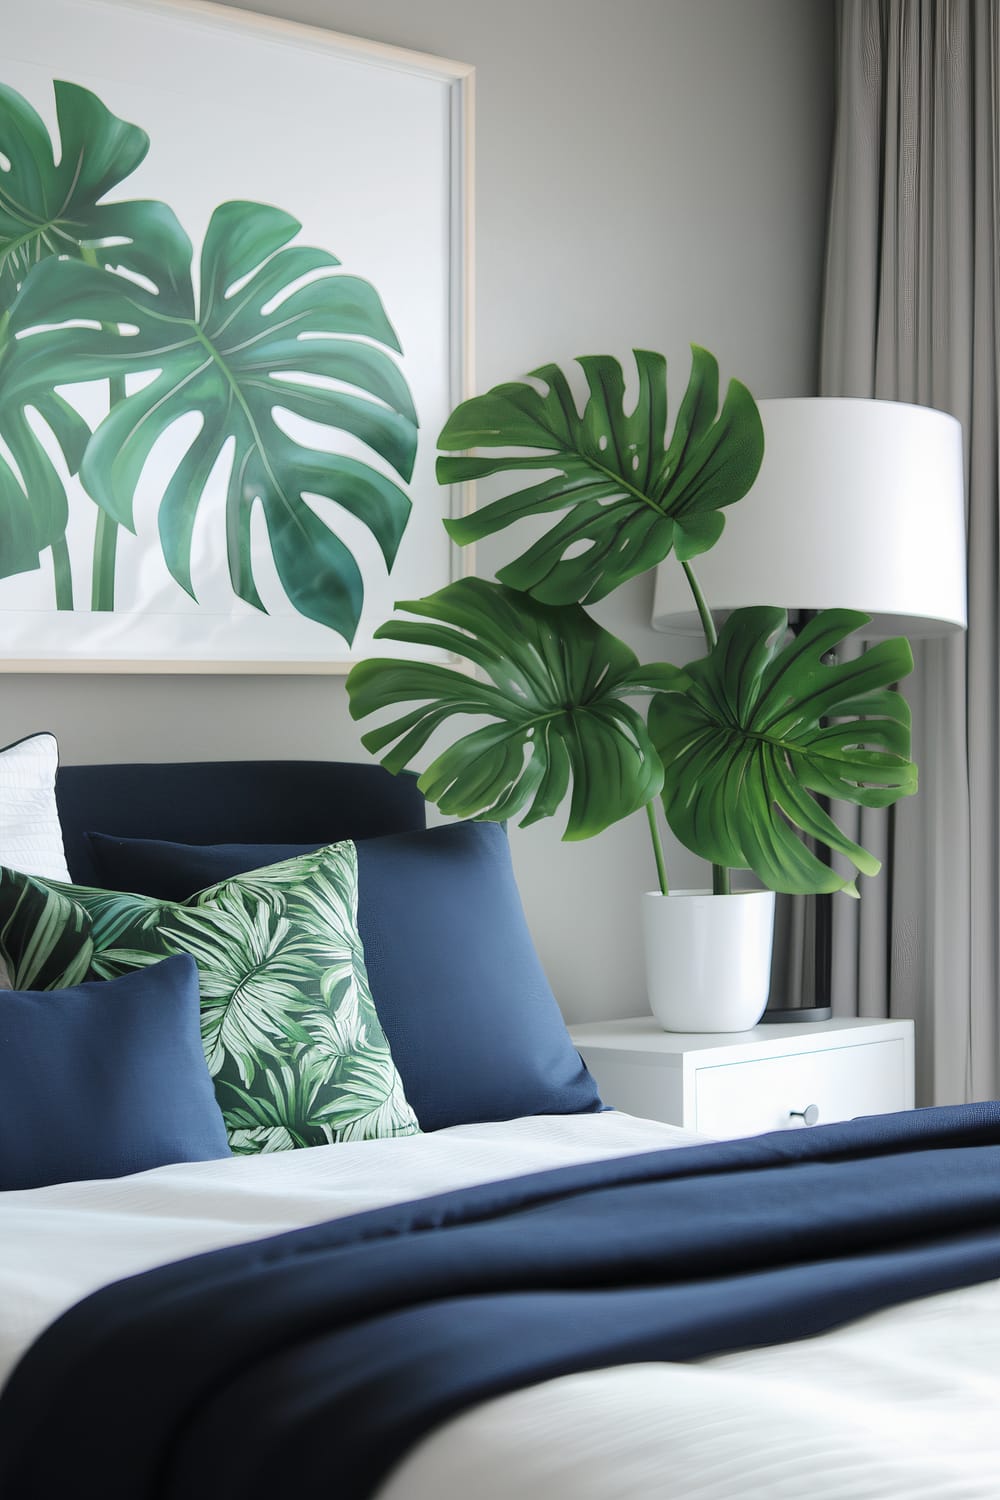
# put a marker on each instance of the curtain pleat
(910, 314)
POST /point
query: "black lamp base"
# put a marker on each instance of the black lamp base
(797, 1013)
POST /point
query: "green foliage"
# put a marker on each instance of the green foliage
(228, 360)
(45, 938)
(555, 702)
(739, 745)
(34, 510)
(98, 291)
(51, 209)
(749, 738)
(629, 497)
(51, 203)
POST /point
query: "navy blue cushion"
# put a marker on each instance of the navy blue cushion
(173, 872)
(471, 1021)
(106, 1078)
(301, 802)
(460, 991)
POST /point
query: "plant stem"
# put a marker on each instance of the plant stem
(720, 875)
(62, 573)
(704, 613)
(654, 833)
(102, 585)
(102, 591)
(102, 588)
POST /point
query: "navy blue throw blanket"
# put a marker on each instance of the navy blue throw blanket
(308, 1363)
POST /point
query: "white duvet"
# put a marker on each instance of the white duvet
(903, 1403)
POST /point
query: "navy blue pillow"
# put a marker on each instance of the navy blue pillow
(472, 1023)
(106, 1078)
(173, 872)
(464, 1002)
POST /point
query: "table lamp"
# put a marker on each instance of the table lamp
(859, 504)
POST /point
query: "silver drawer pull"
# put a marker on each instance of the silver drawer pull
(808, 1116)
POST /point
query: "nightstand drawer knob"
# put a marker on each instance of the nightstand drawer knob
(808, 1116)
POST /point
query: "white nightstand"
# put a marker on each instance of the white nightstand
(774, 1077)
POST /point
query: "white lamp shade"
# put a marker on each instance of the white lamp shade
(858, 505)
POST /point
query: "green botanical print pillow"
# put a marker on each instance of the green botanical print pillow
(292, 1038)
(45, 941)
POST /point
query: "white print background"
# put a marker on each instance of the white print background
(359, 152)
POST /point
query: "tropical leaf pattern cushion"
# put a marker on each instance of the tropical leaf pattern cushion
(45, 937)
(291, 1035)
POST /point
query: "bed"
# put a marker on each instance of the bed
(478, 1282)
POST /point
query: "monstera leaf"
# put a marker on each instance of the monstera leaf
(629, 499)
(33, 506)
(554, 701)
(50, 208)
(259, 341)
(760, 727)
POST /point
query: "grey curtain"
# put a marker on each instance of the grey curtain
(911, 314)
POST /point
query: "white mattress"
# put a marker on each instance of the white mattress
(904, 1403)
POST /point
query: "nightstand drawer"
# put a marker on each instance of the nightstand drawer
(778, 1093)
(775, 1077)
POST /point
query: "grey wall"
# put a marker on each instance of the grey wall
(649, 172)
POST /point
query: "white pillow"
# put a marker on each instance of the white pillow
(30, 832)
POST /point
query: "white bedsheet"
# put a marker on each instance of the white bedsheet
(904, 1403)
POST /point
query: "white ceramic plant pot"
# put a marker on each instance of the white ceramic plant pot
(708, 958)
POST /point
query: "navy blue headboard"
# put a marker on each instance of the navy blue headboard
(232, 802)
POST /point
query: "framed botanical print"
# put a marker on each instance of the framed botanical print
(235, 291)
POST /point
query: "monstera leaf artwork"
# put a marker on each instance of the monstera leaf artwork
(50, 208)
(51, 200)
(224, 358)
(249, 345)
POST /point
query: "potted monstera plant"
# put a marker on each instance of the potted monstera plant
(741, 749)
